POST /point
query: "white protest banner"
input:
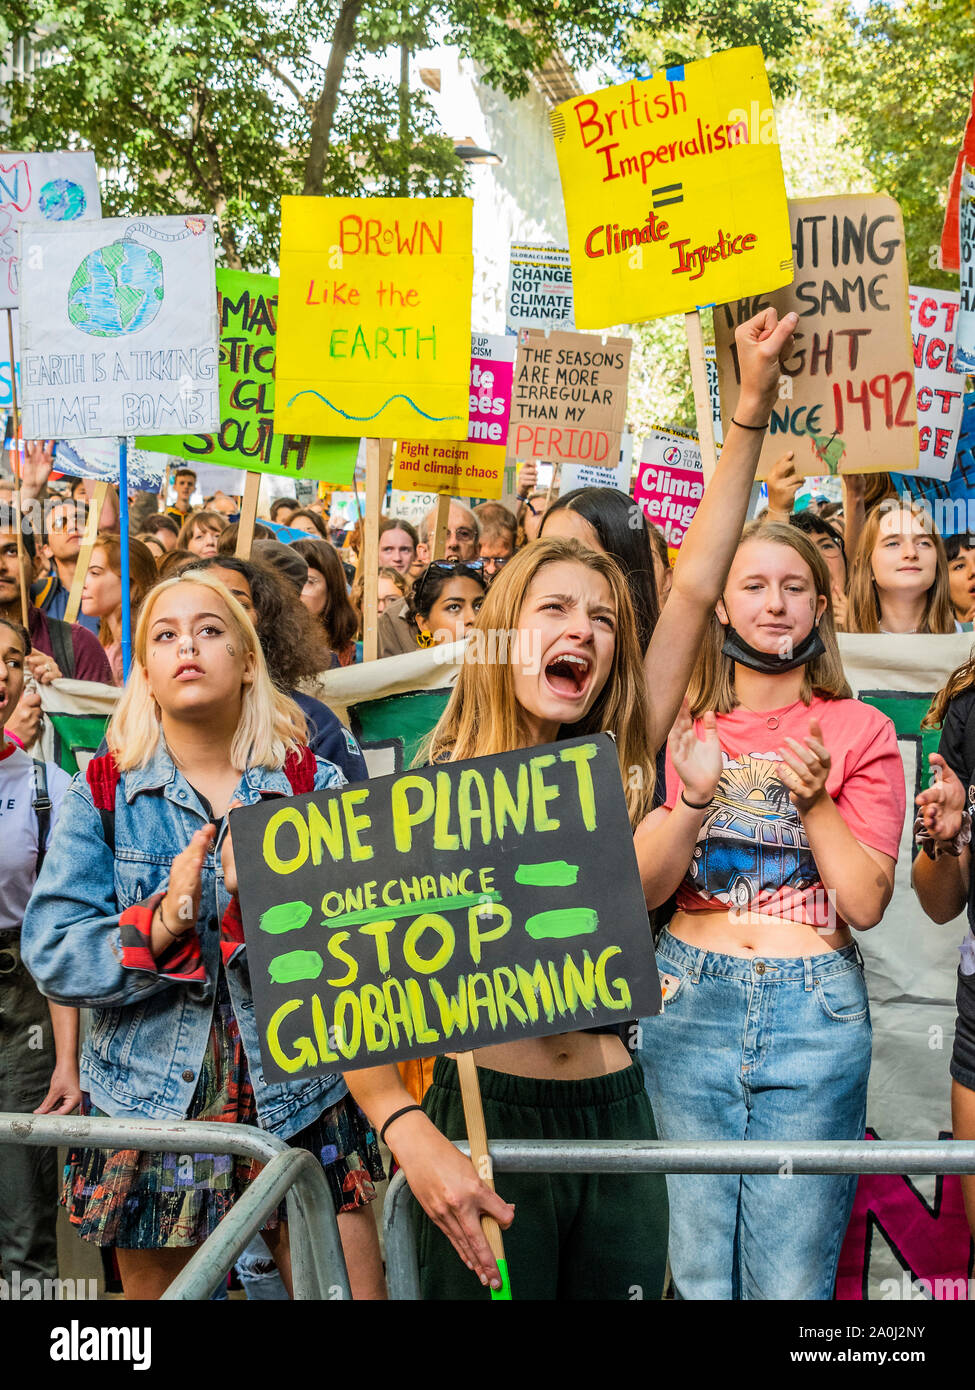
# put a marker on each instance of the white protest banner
(575, 475)
(940, 382)
(60, 188)
(7, 368)
(670, 483)
(118, 330)
(539, 288)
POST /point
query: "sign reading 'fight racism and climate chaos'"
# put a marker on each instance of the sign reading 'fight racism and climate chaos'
(673, 191)
(848, 404)
(474, 466)
(374, 317)
(248, 307)
(118, 328)
(449, 907)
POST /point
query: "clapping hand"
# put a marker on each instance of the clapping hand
(697, 760)
(943, 803)
(805, 769)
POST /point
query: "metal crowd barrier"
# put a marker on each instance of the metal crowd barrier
(822, 1157)
(317, 1263)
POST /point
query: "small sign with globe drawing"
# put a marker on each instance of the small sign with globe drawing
(118, 328)
(56, 188)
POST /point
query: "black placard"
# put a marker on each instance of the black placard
(444, 909)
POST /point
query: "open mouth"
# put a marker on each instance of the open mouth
(189, 668)
(568, 675)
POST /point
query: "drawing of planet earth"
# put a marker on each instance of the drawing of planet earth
(62, 200)
(116, 290)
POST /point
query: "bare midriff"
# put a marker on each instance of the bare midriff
(564, 1057)
(751, 934)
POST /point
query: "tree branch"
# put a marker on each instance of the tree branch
(323, 112)
(304, 102)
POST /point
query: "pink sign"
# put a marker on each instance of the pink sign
(670, 482)
(492, 370)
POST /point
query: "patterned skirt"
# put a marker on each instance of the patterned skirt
(152, 1201)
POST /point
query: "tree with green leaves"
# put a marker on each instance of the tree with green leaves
(225, 107)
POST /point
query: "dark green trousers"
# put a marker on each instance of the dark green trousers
(575, 1235)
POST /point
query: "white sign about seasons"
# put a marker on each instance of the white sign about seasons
(539, 288)
(938, 377)
(118, 328)
(58, 189)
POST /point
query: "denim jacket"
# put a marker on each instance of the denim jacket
(149, 1030)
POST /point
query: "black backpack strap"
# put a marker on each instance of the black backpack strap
(42, 806)
(62, 647)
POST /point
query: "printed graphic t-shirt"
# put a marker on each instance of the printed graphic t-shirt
(752, 851)
(18, 828)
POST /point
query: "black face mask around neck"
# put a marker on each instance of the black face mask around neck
(771, 663)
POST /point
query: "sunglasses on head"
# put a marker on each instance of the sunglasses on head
(474, 570)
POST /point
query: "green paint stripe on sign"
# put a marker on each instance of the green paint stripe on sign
(295, 965)
(554, 873)
(555, 926)
(390, 914)
(285, 917)
(502, 1295)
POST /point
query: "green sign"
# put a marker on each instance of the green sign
(248, 306)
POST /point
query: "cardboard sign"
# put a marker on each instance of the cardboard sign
(670, 483)
(55, 188)
(966, 253)
(476, 466)
(939, 381)
(118, 328)
(539, 288)
(248, 309)
(445, 908)
(848, 402)
(673, 191)
(569, 403)
(374, 317)
(575, 475)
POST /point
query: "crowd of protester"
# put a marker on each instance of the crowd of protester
(719, 676)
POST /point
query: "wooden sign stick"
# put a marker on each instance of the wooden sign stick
(14, 453)
(470, 1092)
(378, 454)
(440, 527)
(702, 396)
(554, 484)
(248, 515)
(95, 506)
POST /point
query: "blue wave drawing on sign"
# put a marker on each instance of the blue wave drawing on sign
(361, 419)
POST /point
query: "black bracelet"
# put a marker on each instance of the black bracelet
(695, 806)
(750, 427)
(395, 1116)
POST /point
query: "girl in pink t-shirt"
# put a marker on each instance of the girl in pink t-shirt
(781, 837)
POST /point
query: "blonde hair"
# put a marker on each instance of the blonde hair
(863, 611)
(483, 717)
(270, 724)
(712, 685)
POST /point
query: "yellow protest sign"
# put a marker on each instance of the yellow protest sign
(374, 316)
(673, 191)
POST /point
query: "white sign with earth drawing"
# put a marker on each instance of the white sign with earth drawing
(58, 189)
(118, 328)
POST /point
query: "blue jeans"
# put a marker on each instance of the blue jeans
(766, 1049)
